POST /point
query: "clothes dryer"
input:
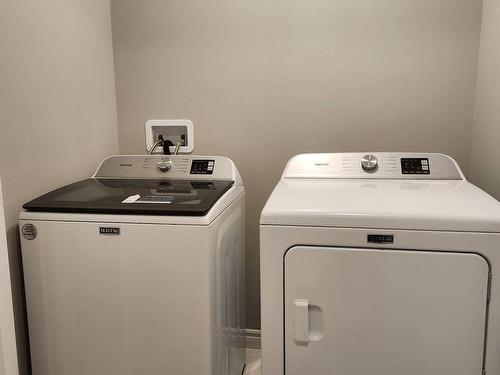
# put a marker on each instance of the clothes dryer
(383, 264)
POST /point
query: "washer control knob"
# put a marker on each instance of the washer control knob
(165, 165)
(369, 163)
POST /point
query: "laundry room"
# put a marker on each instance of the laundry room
(195, 187)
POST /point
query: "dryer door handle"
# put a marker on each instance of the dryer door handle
(301, 320)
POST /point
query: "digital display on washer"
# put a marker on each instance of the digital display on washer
(202, 166)
(415, 166)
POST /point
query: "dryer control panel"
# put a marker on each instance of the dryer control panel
(376, 165)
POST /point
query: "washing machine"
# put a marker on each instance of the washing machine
(381, 264)
(138, 270)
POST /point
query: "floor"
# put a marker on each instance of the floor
(253, 362)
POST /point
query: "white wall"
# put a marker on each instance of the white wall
(485, 169)
(264, 80)
(8, 353)
(57, 106)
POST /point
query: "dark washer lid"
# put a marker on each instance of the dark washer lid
(133, 196)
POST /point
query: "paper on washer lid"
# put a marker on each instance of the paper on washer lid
(131, 199)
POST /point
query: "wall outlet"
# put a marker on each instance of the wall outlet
(173, 130)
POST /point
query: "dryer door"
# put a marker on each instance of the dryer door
(384, 312)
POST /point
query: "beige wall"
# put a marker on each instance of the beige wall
(57, 105)
(485, 170)
(264, 80)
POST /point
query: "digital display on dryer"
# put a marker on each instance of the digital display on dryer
(415, 166)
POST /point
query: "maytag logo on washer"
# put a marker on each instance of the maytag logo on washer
(381, 238)
(29, 231)
(110, 231)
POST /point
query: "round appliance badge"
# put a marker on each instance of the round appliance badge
(29, 231)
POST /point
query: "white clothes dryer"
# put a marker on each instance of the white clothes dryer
(381, 264)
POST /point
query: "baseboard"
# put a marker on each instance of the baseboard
(252, 338)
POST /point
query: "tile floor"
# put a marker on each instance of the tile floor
(253, 362)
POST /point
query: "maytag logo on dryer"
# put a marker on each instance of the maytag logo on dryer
(109, 231)
(381, 238)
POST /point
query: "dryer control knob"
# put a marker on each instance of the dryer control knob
(165, 165)
(369, 163)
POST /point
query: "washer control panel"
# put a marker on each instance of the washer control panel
(173, 167)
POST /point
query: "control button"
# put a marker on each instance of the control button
(165, 165)
(369, 163)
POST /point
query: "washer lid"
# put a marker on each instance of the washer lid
(393, 204)
(133, 196)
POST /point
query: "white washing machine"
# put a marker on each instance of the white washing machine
(138, 270)
(382, 264)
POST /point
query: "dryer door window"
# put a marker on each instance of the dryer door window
(384, 312)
